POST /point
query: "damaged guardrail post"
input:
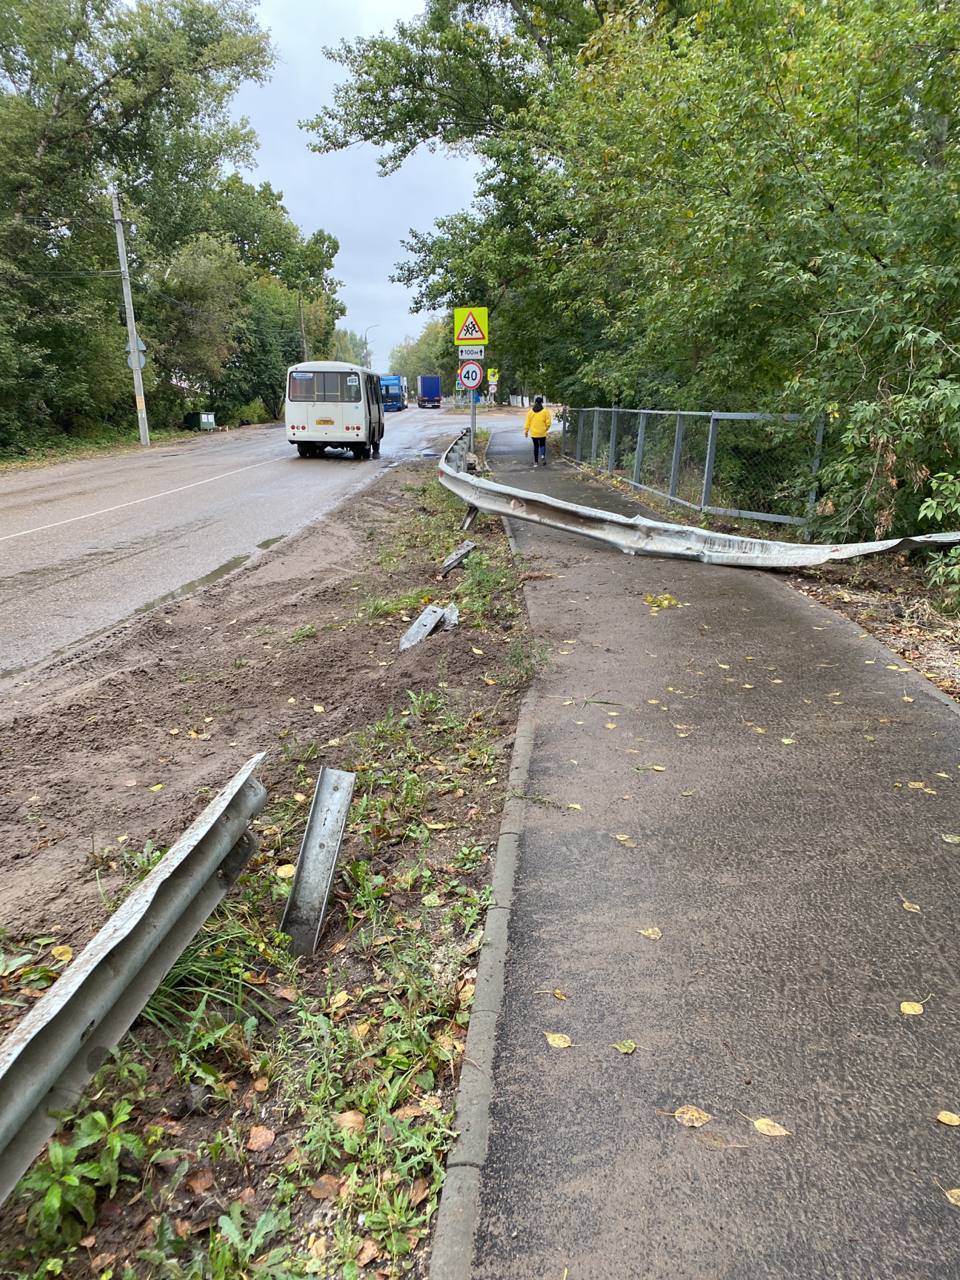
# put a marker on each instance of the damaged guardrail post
(48, 1058)
(306, 907)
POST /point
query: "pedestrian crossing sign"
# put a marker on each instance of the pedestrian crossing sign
(470, 326)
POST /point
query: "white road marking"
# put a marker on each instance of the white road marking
(41, 528)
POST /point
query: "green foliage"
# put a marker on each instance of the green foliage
(139, 96)
(713, 205)
(63, 1187)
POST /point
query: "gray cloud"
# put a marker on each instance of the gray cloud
(343, 193)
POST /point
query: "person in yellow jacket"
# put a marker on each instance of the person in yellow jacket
(536, 427)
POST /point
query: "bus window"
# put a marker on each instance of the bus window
(301, 386)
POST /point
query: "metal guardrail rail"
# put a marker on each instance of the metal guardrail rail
(637, 535)
(49, 1057)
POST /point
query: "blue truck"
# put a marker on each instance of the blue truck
(428, 391)
(393, 389)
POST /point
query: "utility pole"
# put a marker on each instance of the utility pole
(131, 322)
(303, 332)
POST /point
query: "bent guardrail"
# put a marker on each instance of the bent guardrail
(636, 535)
(49, 1057)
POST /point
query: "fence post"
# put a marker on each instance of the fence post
(677, 450)
(815, 470)
(579, 448)
(641, 436)
(612, 450)
(596, 437)
(708, 464)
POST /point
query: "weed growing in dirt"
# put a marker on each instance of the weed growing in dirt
(390, 606)
(307, 632)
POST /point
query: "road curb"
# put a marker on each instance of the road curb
(452, 1253)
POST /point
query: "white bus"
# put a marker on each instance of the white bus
(333, 405)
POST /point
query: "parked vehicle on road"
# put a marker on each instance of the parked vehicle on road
(333, 405)
(428, 391)
(393, 388)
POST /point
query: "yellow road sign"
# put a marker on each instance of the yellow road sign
(493, 375)
(470, 326)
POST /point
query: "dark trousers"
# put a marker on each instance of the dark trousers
(539, 446)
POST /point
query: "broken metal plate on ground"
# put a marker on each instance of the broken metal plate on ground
(428, 622)
(317, 862)
(456, 557)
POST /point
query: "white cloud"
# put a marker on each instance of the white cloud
(343, 193)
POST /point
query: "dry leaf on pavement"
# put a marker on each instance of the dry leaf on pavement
(770, 1128)
(653, 934)
(557, 1040)
(625, 1046)
(690, 1117)
(948, 1117)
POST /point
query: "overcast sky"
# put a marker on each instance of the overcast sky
(343, 193)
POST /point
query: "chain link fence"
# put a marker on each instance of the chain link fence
(748, 466)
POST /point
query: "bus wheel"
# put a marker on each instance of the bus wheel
(305, 450)
(376, 449)
(358, 451)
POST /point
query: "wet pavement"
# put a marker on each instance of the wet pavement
(764, 784)
(87, 544)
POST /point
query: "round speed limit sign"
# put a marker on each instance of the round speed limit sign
(471, 375)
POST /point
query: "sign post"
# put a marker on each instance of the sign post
(471, 333)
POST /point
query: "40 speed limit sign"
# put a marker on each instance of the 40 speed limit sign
(471, 374)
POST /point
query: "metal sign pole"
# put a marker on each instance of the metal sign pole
(131, 323)
(473, 422)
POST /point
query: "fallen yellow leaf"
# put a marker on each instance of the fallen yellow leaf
(287, 871)
(908, 905)
(579, 807)
(788, 742)
(318, 707)
(911, 1008)
(770, 1128)
(339, 1000)
(625, 1046)
(62, 953)
(653, 934)
(478, 652)
(949, 838)
(691, 1117)
(952, 1194)
(557, 1040)
(948, 1117)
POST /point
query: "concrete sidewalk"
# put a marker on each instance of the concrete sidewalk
(743, 773)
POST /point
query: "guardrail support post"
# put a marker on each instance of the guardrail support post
(708, 464)
(596, 437)
(638, 456)
(579, 451)
(677, 452)
(612, 449)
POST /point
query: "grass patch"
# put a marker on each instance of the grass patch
(274, 1117)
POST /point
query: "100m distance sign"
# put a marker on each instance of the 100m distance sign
(471, 375)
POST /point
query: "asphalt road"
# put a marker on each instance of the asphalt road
(86, 544)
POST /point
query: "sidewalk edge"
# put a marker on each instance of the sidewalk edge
(451, 1256)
